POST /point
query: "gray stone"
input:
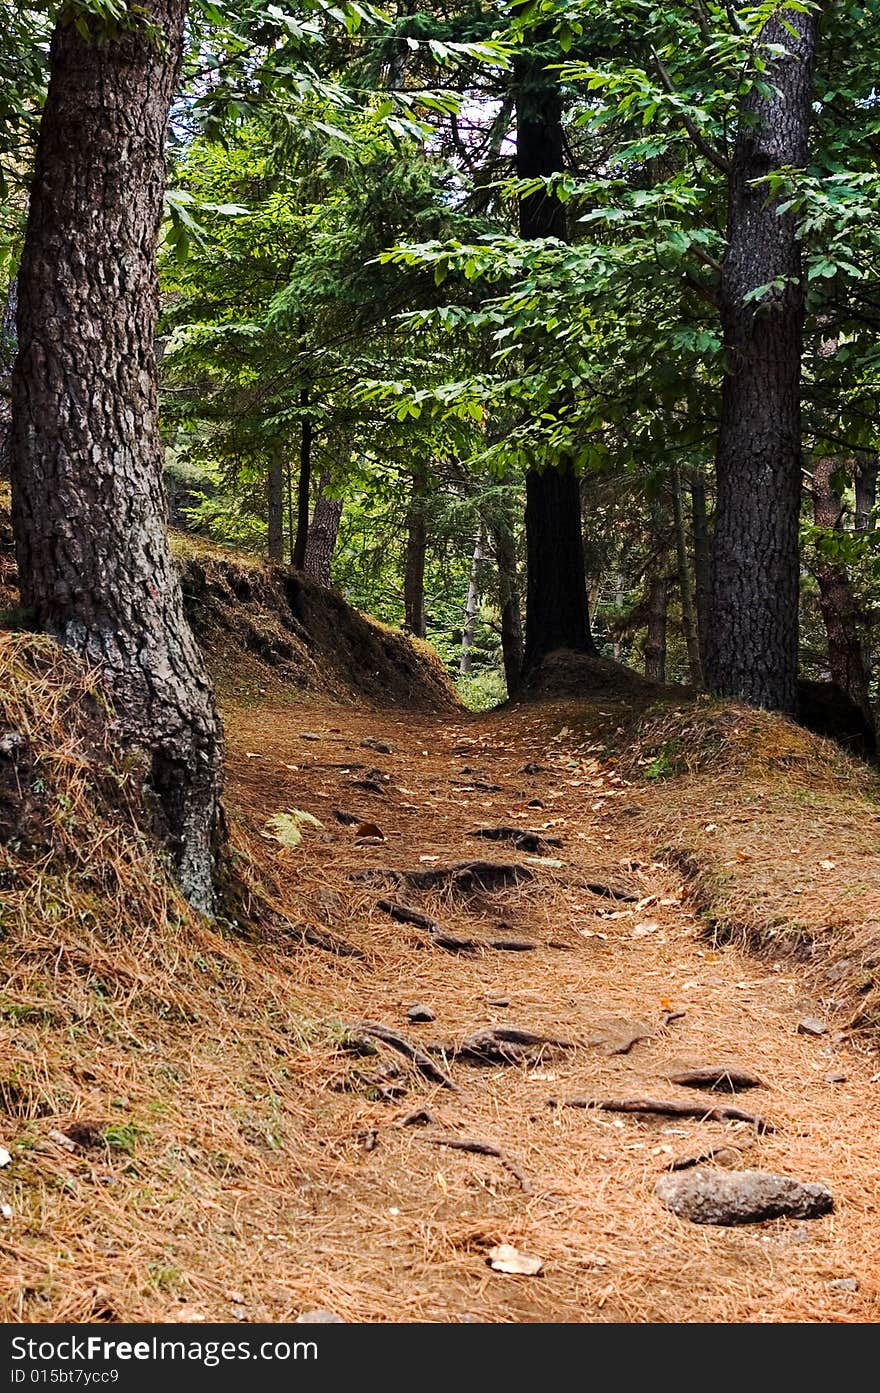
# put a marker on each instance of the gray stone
(419, 1013)
(844, 1284)
(319, 1317)
(382, 747)
(811, 1025)
(741, 1197)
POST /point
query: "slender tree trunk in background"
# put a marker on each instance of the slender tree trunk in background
(471, 608)
(702, 562)
(753, 652)
(88, 501)
(656, 596)
(619, 597)
(323, 532)
(7, 358)
(556, 595)
(508, 604)
(416, 550)
(840, 611)
(303, 491)
(866, 500)
(275, 505)
(866, 491)
(654, 648)
(685, 587)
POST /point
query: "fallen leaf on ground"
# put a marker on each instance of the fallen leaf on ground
(286, 828)
(506, 1258)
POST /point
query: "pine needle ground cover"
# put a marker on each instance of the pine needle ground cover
(202, 1126)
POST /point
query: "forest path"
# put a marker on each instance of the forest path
(385, 1224)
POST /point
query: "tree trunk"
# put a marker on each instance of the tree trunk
(686, 591)
(88, 501)
(866, 491)
(702, 562)
(508, 604)
(323, 532)
(654, 647)
(416, 549)
(843, 621)
(753, 650)
(7, 358)
(556, 595)
(304, 486)
(275, 505)
(471, 608)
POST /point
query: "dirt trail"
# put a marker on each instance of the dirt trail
(385, 1224)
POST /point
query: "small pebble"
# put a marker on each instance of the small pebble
(319, 1317)
(844, 1284)
(420, 1013)
(835, 1078)
(811, 1025)
(497, 1000)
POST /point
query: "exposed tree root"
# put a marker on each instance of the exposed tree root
(499, 1044)
(522, 839)
(482, 1148)
(422, 1061)
(712, 1076)
(405, 914)
(462, 875)
(610, 892)
(665, 1108)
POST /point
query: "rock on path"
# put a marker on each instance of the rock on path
(741, 1197)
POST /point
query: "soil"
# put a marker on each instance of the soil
(389, 1227)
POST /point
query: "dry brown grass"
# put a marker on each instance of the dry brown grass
(779, 831)
(242, 1166)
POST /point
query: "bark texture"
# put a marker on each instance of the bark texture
(848, 667)
(323, 531)
(753, 648)
(88, 500)
(556, 596)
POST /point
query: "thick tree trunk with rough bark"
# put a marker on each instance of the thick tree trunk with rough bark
(416, 550)
(753, 652)
(303, 491)
(843, 621)
(88, 501)
(508, 604)
(275, 505)
(556, 596)
(323, 532)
